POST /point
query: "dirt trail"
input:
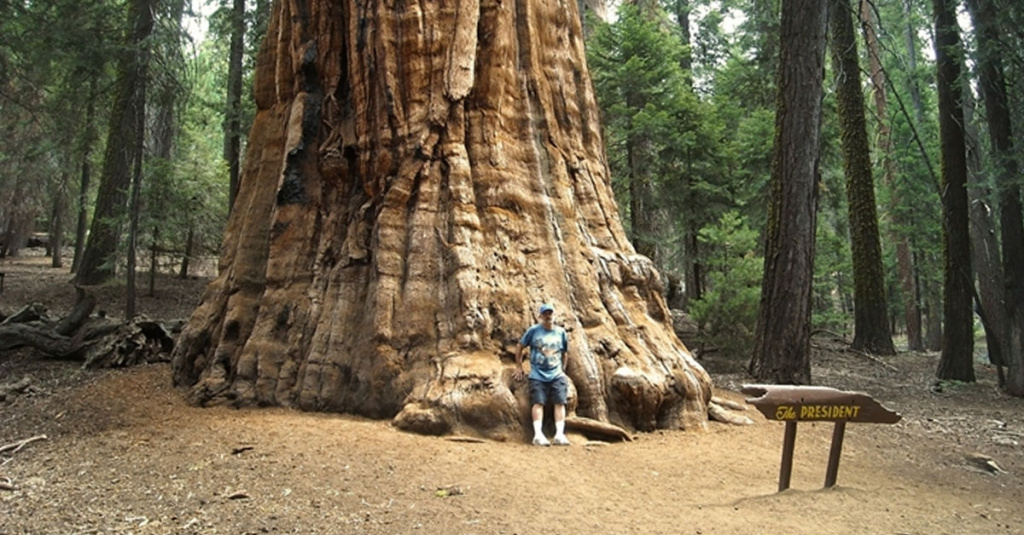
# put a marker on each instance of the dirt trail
(125, 454)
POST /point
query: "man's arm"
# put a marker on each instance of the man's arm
(565, 352)
(520, 372)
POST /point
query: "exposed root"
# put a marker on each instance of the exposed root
(591, 427)
(470, 440)
(728, 403)
(97, 341)
(721, 414)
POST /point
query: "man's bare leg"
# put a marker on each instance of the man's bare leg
(538, 422)
(560, 438)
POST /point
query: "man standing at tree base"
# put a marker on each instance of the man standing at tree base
(548, 347)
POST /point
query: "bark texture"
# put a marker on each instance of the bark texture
(904, 259)
(957, 360)
(1011, 222)
(233, 122)
(988, 301)
(782, 351)
(124, 147)
(88, 139)
(418, 179)
(871, 321)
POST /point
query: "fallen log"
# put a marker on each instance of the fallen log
(129, 344)
(84, 305)
(30, 327)
(97, 341)
(32, 312)
(37, 335)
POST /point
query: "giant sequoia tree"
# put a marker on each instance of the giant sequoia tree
(419, 177)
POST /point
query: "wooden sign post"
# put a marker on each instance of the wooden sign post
(792, 404)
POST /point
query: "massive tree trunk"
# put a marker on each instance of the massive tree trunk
(871, 317)
(957, 360)
(418, 179)
(782, 351)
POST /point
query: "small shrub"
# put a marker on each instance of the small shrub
(727, 313)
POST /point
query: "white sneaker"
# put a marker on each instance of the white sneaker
(561, 440)
(540, 440)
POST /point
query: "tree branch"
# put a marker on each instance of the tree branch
(16, 446)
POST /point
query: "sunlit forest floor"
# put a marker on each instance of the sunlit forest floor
(123, 453)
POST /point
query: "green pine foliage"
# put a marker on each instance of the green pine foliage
(705, 155)
(689, 126)
(635, 69)
(52, 53)
(727, 315)
(56, 63)
(659, 134)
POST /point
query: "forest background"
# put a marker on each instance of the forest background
(123, 128)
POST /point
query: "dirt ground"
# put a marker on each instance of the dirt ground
(123, 453)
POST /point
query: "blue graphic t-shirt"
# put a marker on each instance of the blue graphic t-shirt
(546, 350)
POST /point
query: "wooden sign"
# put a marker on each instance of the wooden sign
(816, 403)
(792, 404)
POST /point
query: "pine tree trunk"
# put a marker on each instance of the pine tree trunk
(123, 146)
(641, 203)
(782, 349)
(164, 131)
(871, 327)
(681, 9)
(153, 262)
(60, 203)
(957, 360)
(989, 303)
(931, 290)
(694, 273)
(189, 251)
(83, 191)
(416, 183)
(904, 260)
(134, 203)
(932, 340)
(233, 116)
(1011, 221)
(691, 245)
